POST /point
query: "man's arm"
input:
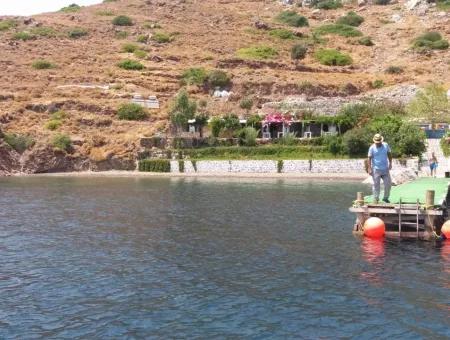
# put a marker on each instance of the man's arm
(369, 165)
(390, 160)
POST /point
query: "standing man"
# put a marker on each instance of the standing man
(380, 162)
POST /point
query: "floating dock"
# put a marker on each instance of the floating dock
(417, 209)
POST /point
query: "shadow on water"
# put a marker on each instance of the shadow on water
(140, 257)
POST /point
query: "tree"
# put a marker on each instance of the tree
(432, 104)
(182, 110)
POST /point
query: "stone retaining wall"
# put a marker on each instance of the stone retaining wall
(289, 166)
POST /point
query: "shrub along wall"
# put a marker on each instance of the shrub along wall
(154, 165)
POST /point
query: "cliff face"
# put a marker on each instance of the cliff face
(84, 79)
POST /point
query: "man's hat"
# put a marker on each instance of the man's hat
(378, 138)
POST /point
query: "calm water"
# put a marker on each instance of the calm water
(173, 258)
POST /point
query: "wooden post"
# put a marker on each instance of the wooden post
(429, 199)
(359, 198)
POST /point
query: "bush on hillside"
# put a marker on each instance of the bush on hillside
(257, 52)
(62, 142)
(430, 41)
(216, 124)
(129, 48)
(71, 8)
(291, 18)
(350, 19)
(298, 52)
(131, 111)
(121, 35)
(122, 20)
(53, 124)
(24, 36)
(327, 4)
(42, 64)
(7, 24)
(194, 76)
(394, 70)
(247, 136)
(77, 32)
(143, 39)
(141, 54)
(18, 142)
(377, 84)
(331, 57)
(356, 142)
(338, 29)
(218, 78)
(44, 31)
(246, 103)
(162, 38)
(182, 109)
(282, 33)
(365, 41)
(133, 65)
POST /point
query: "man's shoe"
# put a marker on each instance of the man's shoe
(386, 200)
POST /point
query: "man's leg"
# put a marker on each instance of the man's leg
(387, 185)
(376, 185)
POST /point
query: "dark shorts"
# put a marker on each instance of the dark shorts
(433, 166)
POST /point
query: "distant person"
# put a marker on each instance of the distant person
(380, 162)
(433, 164)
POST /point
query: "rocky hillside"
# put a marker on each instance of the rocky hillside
(68, 60)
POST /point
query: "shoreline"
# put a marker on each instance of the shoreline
(120, 173)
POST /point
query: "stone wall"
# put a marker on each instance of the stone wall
(353, 166)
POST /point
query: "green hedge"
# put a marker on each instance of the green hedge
(154, 165)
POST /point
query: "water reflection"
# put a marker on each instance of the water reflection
(373, 252)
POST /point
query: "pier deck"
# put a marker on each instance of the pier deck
(417, 209)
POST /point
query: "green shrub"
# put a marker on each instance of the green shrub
(248, 136)
(128, 64)
(257, 52)
(53, 124)
(140, 54)
(20, 143)
(289, 138)
(382, 2)
(62, 142)
(338, 29)
(143, 39)
(298, 52)
(443, 5)
(430, 41)
(105, 13)
(59, 115)
(129, 48)
(246, 103)
(291, 18)
(121, 35)
(131, 111)
(356, 142)
(394, 70)
(195, 76)
(411, 140)
(71, 8)
(332, 57)
(151, 25)
(181, 165)
(366, 41)
(216, 124)
(42, 64)
(44, 31)
(24, 35)
(218, 78)
(7, 24)
(161, 37)
(334, 144)
(280, 165)
(377, 84)
(350, 19)
(327, 4)
(154, 165)
(122, 20)
(182, 109)
(77, 32)
(282, 33)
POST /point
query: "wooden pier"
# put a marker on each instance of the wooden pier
(417, 209)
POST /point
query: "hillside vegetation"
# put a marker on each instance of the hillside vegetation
(156, 47)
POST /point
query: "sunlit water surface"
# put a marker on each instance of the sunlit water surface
(173, 258)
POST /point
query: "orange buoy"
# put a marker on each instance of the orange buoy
(374, 227)
(446, 229)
